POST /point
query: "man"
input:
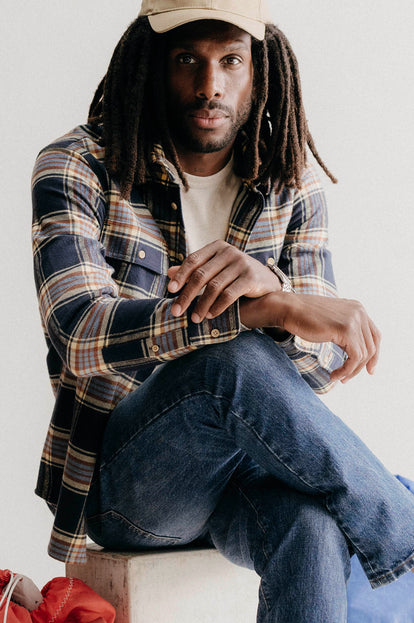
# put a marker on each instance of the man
(168, 234)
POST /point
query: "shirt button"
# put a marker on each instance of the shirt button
(215, 333)
(174, 206)
(141, 254)
(180, 257)
(271, 261)
(155, 348)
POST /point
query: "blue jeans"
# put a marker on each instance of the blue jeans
(228, 445)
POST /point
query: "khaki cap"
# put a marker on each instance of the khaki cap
(249, 15)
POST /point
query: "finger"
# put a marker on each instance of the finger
(238, 288)
(191, 263)
(171, 272)
(201, 277)
(376, 336)
(367, 350)
(355, 355)
(214, 289)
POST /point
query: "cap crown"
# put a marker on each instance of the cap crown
(252, 9)
(249, 15)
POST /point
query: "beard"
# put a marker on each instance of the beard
(207, 143)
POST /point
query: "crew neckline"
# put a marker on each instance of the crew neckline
(204, 181)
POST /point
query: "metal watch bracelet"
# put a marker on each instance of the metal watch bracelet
(285, 281)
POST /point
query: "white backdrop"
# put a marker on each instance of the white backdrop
(356, 61)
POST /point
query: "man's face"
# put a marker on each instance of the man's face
(209, 85)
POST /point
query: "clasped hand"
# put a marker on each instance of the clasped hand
(227, 274)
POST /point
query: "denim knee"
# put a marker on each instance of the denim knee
(251, 353)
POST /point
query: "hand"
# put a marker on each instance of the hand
(320, 319)
(227, 274)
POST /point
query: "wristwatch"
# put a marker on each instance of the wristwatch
(285, 282)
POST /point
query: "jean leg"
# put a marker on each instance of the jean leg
(274, 416)
(162, 470)
(249, 397)
(291, 541)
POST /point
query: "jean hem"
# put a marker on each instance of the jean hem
(394, 574)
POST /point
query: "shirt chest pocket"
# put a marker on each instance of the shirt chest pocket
(139, 259)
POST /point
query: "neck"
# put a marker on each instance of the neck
(203, 164)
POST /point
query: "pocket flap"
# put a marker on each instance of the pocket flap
(129, 242)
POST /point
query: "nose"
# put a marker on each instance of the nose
(209, 82)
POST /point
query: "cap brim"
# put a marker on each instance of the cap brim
(163, 22)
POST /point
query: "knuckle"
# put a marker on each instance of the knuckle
(357, 356)
(226, 296)
(224, 244)
(198, 276)
(193, 258)
(230, 250)
(358, 309)
(377, 333)
(244, 260)
(213, 286)
(357, 304)
(367, 356)
(353, 324)
(183, 298)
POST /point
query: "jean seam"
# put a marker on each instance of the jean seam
(391, 572)
(280, 460)
(345, 531)
(262, 528)
(132, 527)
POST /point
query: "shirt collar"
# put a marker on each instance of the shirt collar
(161, 170)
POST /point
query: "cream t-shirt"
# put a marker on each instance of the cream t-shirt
(207, 205)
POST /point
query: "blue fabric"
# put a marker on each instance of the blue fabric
(230, 444)
(393, 603)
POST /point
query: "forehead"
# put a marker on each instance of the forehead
(212, 31)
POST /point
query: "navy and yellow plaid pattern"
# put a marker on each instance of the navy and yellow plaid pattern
(101, 266)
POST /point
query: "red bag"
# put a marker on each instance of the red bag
(10, 611)
(65, 600)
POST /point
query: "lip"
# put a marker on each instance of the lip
(207, 114)
(205, 119)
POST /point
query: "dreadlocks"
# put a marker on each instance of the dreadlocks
(130, 102)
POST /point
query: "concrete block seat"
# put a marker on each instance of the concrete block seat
(190, 584)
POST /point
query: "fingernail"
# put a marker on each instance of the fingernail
(173, 287)
(195, 318)
(176, 309)
(209, 315)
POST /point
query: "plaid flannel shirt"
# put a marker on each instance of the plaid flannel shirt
(101, 275)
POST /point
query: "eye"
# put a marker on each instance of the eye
(185, 59)
(233, 60)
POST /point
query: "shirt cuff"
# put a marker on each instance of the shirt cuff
(173, 336)
(314, 361)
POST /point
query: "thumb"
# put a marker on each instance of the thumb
(172, 271)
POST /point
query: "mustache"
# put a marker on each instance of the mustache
(200, 105)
